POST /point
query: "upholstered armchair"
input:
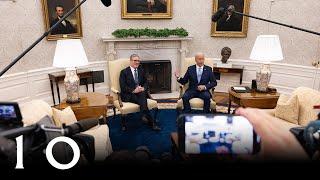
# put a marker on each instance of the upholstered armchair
(195, 103)
(125, 108)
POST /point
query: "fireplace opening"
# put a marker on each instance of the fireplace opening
(158, 74)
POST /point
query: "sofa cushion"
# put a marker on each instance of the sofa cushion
(66, 116)
(288, 109)
(287, 125)
(307, 99)
(129, 107)
(102, 143)
(34, 110)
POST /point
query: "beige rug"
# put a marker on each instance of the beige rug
(220, 109)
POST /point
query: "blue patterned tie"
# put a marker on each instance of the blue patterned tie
(136, 79)
(199, 74)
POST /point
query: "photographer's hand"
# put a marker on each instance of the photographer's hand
(278, 143)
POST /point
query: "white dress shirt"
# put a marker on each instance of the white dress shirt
(63, 22)
(132, 71)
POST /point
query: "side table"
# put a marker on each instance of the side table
(92, 105)
(59, 77)
(253, 99)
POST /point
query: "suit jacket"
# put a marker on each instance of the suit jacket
(137, 6)
(233, 24)
(127, 83)
(207, 78)
(61, 29)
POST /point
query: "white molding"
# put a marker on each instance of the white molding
(26, 86)
(285, 77)
(34, 84)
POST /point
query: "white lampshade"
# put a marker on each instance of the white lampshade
(69, 54)
(267, 48)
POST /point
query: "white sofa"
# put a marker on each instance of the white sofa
(307, 98)
(33, 111)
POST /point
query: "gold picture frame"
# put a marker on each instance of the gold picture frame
(234, 25)
(146, 9)
(71, 28)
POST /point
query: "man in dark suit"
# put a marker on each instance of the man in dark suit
(201, 79)
(229, 21)
(65, 27)
(133, 84)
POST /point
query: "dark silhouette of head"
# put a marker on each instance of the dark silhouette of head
(225, 53)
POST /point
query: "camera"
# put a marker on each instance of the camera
(10, 116)
(35, 138)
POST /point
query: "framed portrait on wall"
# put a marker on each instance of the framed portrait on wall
(146, 9)
(231, 24)
(53, 10)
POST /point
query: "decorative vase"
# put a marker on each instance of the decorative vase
(72, 85)
(263, 78)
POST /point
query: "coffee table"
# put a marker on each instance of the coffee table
(91, 105)
(253, 99)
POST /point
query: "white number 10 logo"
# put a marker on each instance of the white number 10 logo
(49, 155)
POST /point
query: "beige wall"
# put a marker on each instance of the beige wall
(22, 23)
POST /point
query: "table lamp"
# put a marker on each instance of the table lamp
(70, 54)
(266, 49)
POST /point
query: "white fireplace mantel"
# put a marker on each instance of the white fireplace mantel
(111, 48)
(174, 49)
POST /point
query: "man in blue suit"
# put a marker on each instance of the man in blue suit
(201, 80)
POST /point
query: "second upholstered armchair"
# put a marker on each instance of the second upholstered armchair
(195, 103)
(125, 108)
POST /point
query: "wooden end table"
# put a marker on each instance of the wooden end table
(59, 77)
(253, 99)
(233, 69)
(92, 105)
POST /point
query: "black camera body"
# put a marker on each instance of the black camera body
(10, 116)
(36, 137)
(309, 137)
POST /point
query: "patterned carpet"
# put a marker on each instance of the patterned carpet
(221, 99)
(139, 134)
(221, 108)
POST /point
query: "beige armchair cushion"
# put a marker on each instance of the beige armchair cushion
(115, 68)
(34, 110)
(307, 99)
(196, 103)
(65, 116)
(288, 109)
(132, 108)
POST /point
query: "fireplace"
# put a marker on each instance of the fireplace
(158, 74)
